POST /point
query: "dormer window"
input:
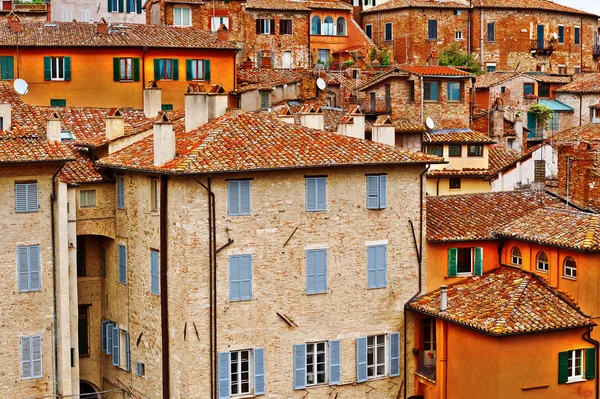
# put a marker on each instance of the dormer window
(182, 16)
(475, 150)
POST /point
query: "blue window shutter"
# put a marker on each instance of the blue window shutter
(109, 338)
(321, 271)
(233, 197)
(34, 268)
(361, 359)
(335, 370)
(67, 66)
(372, 267)
(234, 278)
(381, 265)
(394, 354)
(36, 356)
(477, 261)
(246, 276)
(32, 197)
(103, 334)
(259, 371)
(311, 262)
(300, 366)
(127, 352)
(223, 369)
(21, 197)
(321, 194)
(23, 265)
(382, 191)
(116, 350)
(122, 264)
(26, 363)
(120, 192)
(311, 189)
(372, 192)
(452, 262)
(154, 270)
(244, 197)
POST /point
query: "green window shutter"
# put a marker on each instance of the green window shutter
(138, 6)
(175, 63)
(136, 69)
(116, 69)
(452, 262)
(590, 363)
(207, 70)
(156, 69)
(121, 8)
(478, 261)
(110, 6)
(67, 61)
(10, 67)
(47, 68)
(188, 70)
(563, 361)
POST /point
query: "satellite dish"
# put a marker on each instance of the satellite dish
(321, 84)
(429, 123)
(21, 86)
(555, 36)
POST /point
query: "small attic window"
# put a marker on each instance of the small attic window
(65, 135)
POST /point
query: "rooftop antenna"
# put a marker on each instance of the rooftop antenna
(429, 123)
(21, 86)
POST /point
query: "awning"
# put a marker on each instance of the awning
(556, 106)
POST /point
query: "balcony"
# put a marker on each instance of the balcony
(596, 50)
(542, 47)
(368, 106)
(426, 363)
(536, 134)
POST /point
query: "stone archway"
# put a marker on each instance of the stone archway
(87, 388)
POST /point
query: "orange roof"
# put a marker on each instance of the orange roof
(530, 4)
(396, 4)
(583, 83)
(500, 157)
(435, 71)
(81, 170)
(505, 301)
(462, 136)
(19, 148)
(589, 133)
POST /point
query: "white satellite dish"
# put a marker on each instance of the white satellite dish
(21, 86)
(429, 123)
(554, 36)
(321, 84)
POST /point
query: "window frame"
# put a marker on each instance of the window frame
(516, 257)
(490, 36)
(86, 194)
(570, 272)
(31, 359)
(126, 68)
(374, 364)
(222, 19)
(525, 86)
(430, 149)
(475, 150)
(454, 183)
(57, 67)
(157, 290)
(239, 184)
(391, 32)
(471, 271)
(454, 146)
(490, 66)
(315, 25)
(458, 35)
(31, 204)
(539, 262)
(328, 28)
(428, 327)
(369, 31)
(264, 26)
(431, 28)
(286, 26)
(122, 263)
(154, 197)
(381, 196)
(240, 259)
(561, 35)
(376, 266)
(167, 68)
(460, 91)
(30, 287)
(341, 21)
(316, 180)
(577, 35)
(239, 372)
(120, 186)
(427, 86)
(181, 15)
(572, 364)
(315, 363)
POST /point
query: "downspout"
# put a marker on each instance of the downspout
(581, 46)
(143, 67)
(481, 35)
(587, 337)
(580, 105)
(378, 29)
(419, 251)
(164, 298)
(422, 91)
(53, 234)
(470, 28)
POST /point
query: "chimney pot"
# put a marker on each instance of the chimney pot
(196, 111)
(443, 298)
(152, 99)
(102, 27)
(53, 128)
(115, 125)
(5, 115)
(164, 139)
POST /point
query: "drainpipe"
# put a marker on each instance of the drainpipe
(143, 68)
(470, 28)
(419, 251)
(587, 337)
(580, 105)
(53, 234)
(422, 94)
(481, 35)
(378, 29)
(164, 298)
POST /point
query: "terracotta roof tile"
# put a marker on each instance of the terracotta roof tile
(397, 4)
(81, 170)
(464, 136)
(17, 148)
(276, 5)
(435, 71)
(491, 79)
(583, 83)
(505, 301)
(500, 157)
(531, 4)
(268, 76)
(589, 133)
(549, 78)
(328, 5)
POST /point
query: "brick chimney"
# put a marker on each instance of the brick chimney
(216, 102)
(196, 110)
(5, 116)
(102, 27)
(115, 124)
(353, 124)
(223, 33)
(311, 116)
(497, 120)
(14, 22)
(434, 58)
(53, 128)
(152, 99)
(384, 131)
(164, 139)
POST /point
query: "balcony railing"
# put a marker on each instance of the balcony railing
(596, 50)
(542, 47)
(426, 363)
(536, 134)
(375, 108)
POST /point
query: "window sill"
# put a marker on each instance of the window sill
(541, 271)
(240, 300)
(381, 377)
(577, 380)
(126, 81)
(570, 278)
(316, 293)
(377, 288)
(424, 377)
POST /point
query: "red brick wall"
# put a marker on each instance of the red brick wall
(583, 174)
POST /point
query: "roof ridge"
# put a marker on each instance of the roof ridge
(512, 304)
(590, 235)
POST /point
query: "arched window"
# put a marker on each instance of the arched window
(516, 258)
(542, 262)
(570, 267)
(341, 26)
(328, 26)
(315, 26)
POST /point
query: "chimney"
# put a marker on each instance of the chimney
(497, 120)
(115, 124)
(196, 112)
(223, 33)
(5, 116)
(102, 27)
(286, 116)
(443, 298)
(53, 128)
(434, 58)
(247, 64)
(384, 131)
(519, 133)
(152, 99)
(216, 102)
(353, 124)
(164, 140)
(311, 116)
(14, 23)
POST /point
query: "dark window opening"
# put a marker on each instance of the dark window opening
(81, 256)
(464, 260)
(84, 330)
(454, 183)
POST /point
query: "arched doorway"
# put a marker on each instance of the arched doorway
(88, 388)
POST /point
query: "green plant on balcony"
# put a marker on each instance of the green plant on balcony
(542, 113)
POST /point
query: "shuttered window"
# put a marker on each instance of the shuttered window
(166, 68)
(122, 264)
(26, 197)
(57, 68)
(120, 192)
(241, 372)
(576, 365)
(154, 276)
(316, 194)
(103, 334)
(335, 362)
(31, 357)
(259, 371)
(126, 69)
(238, 197)
(361, 359)
(316, 271)
(432, 29)
(388, 32)
(376, 266)
(197, 70)
(127, 352)
(109, 337)
(465, 261)
(28, 261)
(394, 354)
(310, 364)
(7, 67)
(376, 191)
(240, 277)
(116, 346)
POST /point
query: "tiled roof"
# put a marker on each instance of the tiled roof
(464, 136)
(472, 217)
(17, 148)
(83, 34)
(268, 76)
(435, 71)
(589, 133)
(346, 82)
(491, 79)
(406, 125)
(505, 301)
(244, 141)
(392, 73)
(397, 4)
(328, 5)
(276, 5)
(549, 78)
(81, 170)
(557, 227)
(501, 157)
(464, 172)
(530, 4)
(583, 83)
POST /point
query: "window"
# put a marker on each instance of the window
(265, 99)
(465, 261)
(562, 69)
(31, 357)
(57, 68)
(542, 262)
(369, 31)
(154, 272)
(7, 68)
(81, 265)
(120, 192)
(311, 362)
(388, 32)
(113, 6)
(376, 191)
(570, 268)
(216, 22)
(464, 264)
(528, 89)
(431, 90)
(26, 197)
(323, 56)
(490, 66)
(122, 264)
(437, 150)
(166, 68)
(265, 26)
(286, 60)
(328, 26)
(182, 16)
(119, 346)
(543, 90)
(376, 356)
(140, 369)
(316, 363)
(455, 150)
(371, 356)
(166, 107)
(376, 266)
(87, 198)
(341, 26)
(315, 25)
(285, 27)
(576, 35)
(561, 34)
(316, 271)
(458, 35)
(454, 183)
(432, 29)
(457, 12)
(238, 197)
(491, 32)
(28, 261)
(67, 16)
(126, 69)
(411, 91)
(58, 102)
(83, 330)
(429, 334)
(454, 91)
(241, 372)
(316, 194)
(554, 122)
(573, 366)
(240, 277)
(153, 194)
(475, 150)
(515, 257)
(134, 6)
(107, 327)
(577, 69)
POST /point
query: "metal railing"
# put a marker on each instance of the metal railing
(536, 134)
(426, 363)
(542, 46)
